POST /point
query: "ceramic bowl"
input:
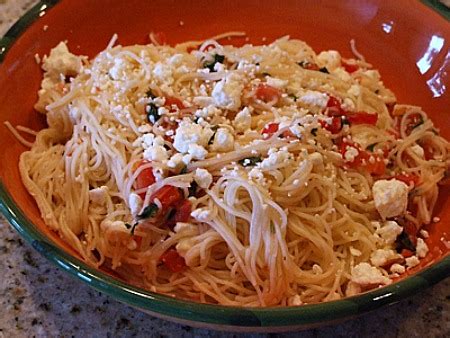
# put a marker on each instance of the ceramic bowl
(408, 41)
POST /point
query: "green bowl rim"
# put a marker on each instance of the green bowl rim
(207, 314)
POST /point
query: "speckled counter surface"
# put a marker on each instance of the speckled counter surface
(37, 299)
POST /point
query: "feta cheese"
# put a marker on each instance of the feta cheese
(382, 256)
(397, 268)
(412, 261)
(156, 153)
(314, 98)
(208, 111)
(276, 83)
(418, 150)
(163, 72)
(276, 158)
(421, 248)
(350, 154)
(98, 195)
(197, 152)
(389, 231)
(330, 59)
(203, 178)
(175, 160)
(243, 120)
(390, 197)
(295, 301)
(354, 90)
(189, 133)
(202, 214)
(366, 274)
(227, 92)
(134, 203)
(223, 140)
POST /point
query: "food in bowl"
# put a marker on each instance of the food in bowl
(251, 176)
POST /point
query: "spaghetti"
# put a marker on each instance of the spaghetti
(250, 176)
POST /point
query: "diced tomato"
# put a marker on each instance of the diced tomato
(334, 107)
(182, 214)
(160, 38)
(168, 196)
(408, 178)
(362, 118)
(310, 66)
(173, 101)
(145, 177)
(350, 67)
(372, 163)
(414, 120)
(267, 93)
(428, 150)
(335, 126)
(173, 261)
(406, 253)
(411, 230)
(269, 130)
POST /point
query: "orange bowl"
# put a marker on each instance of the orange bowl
(406, 40)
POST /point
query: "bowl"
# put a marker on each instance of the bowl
(406, 40)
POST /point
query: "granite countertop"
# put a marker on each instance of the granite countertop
(39, 300)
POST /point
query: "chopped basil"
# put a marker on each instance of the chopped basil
(404, 242)
(250, 161)
(345, 121)
(324, 70)
(152, 113)
(303, 64)
(193, 188)
(149, 211)
(314, 131)
(371, 147)
(211, 140)
(217, 59)
(132, 227)
(292, 96)
(183, 170)
(377, 91)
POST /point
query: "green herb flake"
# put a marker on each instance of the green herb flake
(371, 147)
(149, 211)
(150, 94)
(250, 161)
(314, 131)
(193, 189)
(292, 96)
(183, 170)
(217, 59)
(152, 113)
(324, 70)
(404, 242)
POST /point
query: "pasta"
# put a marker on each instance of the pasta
(247, 176)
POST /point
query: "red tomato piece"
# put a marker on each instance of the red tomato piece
(267, 93)
(335, 126)
(145, 177)
(372, 163)
(173, 261)
(269, 130)
(362, 118)
(168, 195)
(406, 253)
(182, 214)
(173, 101)
(350, 67)
(408, 178)
(334, 107)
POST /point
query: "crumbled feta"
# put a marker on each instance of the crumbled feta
(295, 301)
(350, 154)
(397, 268)
(316, 269)
(134, 203)
(156, 153)
(223, 140)
(202, 214)
(98, 195)
(208, 111)
(366, 274)
(189, 134)
(162, 72)
(275, 159)
(227, 92)
(412, 261)
(330, 59)
(276, 83)
(424, 233)
(390, 197)
(203, 178)
(354, 90)
(342, 74)
(421, 248)
(175, 160)
(197, 152)
(314, 98)
(389, 231)
(418, 150)
(243, 120)
(381, 256)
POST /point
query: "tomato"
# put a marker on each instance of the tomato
(335, 126)
(372, 163)
(182, 214)
(173, 261)
(334, 107)
(362, 118)
(408, 178)
(350, 67)
(267, 93)
(173, 101)
(145, 177)
(410, 229)
(406, 253)
(310, 66)
(269, 130)
(168, 196)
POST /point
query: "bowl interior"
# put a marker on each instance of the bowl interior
(405, 40)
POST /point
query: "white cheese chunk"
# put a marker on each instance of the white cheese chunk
(134, 203)
(412, 261)
(191, 134)
(202, 214)
(421, 248)
(382, 256)
(390, 197)
(314, 98)
(203, 178)
(389, 231)
(366, 274)
(330, 59)
(397, 268)
(223, 140)
(227, 92)
(243, 120)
